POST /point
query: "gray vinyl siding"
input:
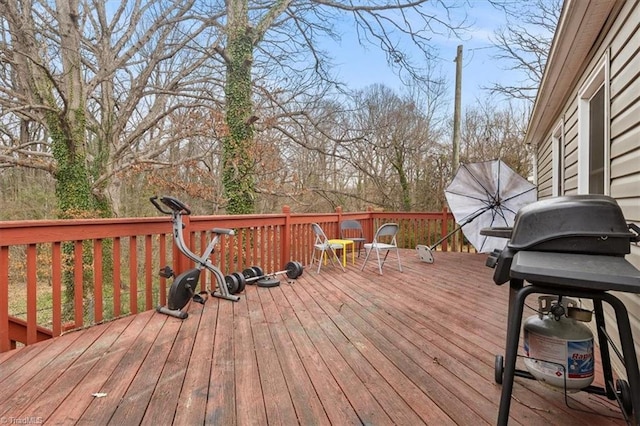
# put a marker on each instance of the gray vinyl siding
(625, 113)
(625, 134)
(545, 161)
(623, 40)
(571, 150)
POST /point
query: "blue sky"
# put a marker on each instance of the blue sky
(360, 66)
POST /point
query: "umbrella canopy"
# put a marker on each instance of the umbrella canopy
(487, 194)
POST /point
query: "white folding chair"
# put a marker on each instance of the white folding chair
(323, 246)
(384, 240)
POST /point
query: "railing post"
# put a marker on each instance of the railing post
(285, 251)
(5, 344)
(339, 213)
(183, 261)
(444, 228)
(32, 293)
(369, 229)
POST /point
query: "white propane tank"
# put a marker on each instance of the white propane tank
(559, 349)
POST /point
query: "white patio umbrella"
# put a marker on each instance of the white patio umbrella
(487, 194)
(482, 195)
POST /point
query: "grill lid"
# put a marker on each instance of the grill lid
(575, 224)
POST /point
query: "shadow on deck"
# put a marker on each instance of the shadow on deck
(332, 348)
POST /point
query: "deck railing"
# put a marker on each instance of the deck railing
(58, 275)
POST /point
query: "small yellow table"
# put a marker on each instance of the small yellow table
(344, 244)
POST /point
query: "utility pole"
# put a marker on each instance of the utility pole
(456, 111)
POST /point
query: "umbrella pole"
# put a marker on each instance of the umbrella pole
(425, 252)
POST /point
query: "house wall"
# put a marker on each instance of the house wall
(622, 42)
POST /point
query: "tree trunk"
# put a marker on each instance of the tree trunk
(68, 125)
(237, 173)
(405, 190)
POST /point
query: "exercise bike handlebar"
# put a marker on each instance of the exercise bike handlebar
(178, 206)
(174, 204)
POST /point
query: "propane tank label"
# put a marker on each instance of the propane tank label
(575, 355)
(580, 359)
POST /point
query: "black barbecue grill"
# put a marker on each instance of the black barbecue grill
(570, 246)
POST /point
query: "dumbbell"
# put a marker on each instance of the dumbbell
(255, 274)
(235, 282)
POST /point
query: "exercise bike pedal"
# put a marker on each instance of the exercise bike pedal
(166, 272)
(199, 298)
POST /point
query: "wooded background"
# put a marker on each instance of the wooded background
(235, 108)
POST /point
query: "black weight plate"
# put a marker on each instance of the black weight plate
(232, 283)
(249, 273)
(242, 282)
(292, 270)
(268, 282)
(252, 274)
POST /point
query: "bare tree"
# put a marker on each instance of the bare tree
(397, 140)
(94, 93)
(314, 167)
(88, 92)
(491, 133)
(524, 44)
(371, 151)
(286, 34)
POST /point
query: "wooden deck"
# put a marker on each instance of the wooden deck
(337, 348)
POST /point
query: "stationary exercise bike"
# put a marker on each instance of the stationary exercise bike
(183, 287)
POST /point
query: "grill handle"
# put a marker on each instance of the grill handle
(636, 230)
(499, 232)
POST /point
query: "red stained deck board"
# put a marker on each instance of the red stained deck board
(192, 401)
(339, 348)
